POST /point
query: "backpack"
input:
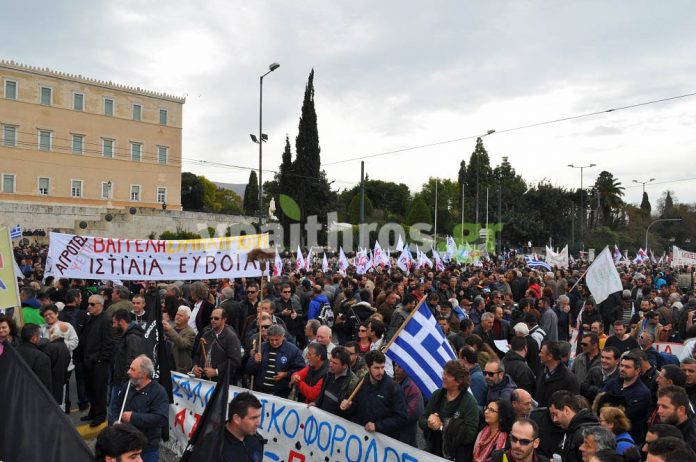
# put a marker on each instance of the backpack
(326, 315)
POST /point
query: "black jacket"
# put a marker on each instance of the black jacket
(59, 354)
(383, 404)
(516, 367)
(150, 408)
(97, 340)
(126, 351)
(594, 382)
(569, 448)
(75, 316)
(562, 379)
(38, 361)
(334, 390)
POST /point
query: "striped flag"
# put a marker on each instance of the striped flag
(536, 263)
(422, 350)
(16, 232)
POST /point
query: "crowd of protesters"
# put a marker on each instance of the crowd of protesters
(535, 354)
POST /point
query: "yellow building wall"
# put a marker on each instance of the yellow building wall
(61, 165)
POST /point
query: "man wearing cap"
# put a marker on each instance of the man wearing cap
(181, 338)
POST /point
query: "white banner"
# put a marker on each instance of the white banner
(669, 347)
(681, 257)
(87, 257)
(559, 259)
(295, 432)
(602, 278)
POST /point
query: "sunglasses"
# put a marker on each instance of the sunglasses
(490, 374)
(92, 304)
(265, 326)
(584, 344)
(490, 409)
(286, 292)
(520, 441)
(251, 291)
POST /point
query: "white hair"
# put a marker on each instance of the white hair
(185, 310)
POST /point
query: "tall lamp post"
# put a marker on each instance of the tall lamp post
(582, 209)
(262, 138)
(644, 183)
(657, 221)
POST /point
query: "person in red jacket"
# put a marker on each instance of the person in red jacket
(310, 379)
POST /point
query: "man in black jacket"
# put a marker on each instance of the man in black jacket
(97, 347)
(566, 413)
(554, 375)
(242, 443)
(146, 405)
(221, 343)
(37, 360)
(339, 383)
(516, 365)
(130, 336)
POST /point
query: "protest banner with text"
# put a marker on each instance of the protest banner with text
(295, 432)
(88, 257)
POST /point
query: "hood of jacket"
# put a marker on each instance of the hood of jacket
(507, 382)
(582, 418)
(32, 302)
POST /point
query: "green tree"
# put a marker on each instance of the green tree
(228, 202)
(191, 192)
(645, 205)
(286, 186)
(461, 178)
(392, 198)
(251, 195)
(210, 203)
(478, 173)
(447, 191)
(418, 212)
(354, 209)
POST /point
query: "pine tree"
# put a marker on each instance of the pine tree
(461, 178)
(418, 212)
(645, 205)
(479, 172)
(251, 195)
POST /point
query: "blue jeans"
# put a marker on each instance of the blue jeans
(151, 456)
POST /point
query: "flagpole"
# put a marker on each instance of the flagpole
(123, 406)
(389, 344)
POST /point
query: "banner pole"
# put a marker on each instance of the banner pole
(123, 406)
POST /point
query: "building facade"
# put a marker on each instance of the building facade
(71, 140)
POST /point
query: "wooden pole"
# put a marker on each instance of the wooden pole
(390, 343)
(205, 355)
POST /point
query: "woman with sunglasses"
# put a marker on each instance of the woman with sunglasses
(450, 419)
(364, 341)
(499, 417)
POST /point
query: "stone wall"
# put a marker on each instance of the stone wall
(123, 224)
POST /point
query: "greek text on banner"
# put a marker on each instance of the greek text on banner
(88, 257)
(295, 432)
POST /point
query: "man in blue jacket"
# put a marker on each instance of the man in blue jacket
(147, 405)
(278, 360)
(379, 405)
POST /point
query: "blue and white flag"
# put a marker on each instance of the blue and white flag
(422, 350)
(536, 263)
(16, 232)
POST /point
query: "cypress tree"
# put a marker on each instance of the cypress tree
(645, 205)
(251, 195)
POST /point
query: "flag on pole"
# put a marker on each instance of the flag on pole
(342, 261)
(154, 345)
(602, 278)
(325, 264)
(208, 439)
(422, 350)
(277, 265)
(299, 260)
(31, 406)
(437, 260)
(641, 256)
(16, 232)
(308, 261)
(379, 258)
(400, 244)
(617, 254)
(559, 259)
(451, 249)
(362, 262)
(405, 260)
(536, 263)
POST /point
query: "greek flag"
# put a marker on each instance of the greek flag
(422, 350)
(16, 232)
(534, 263)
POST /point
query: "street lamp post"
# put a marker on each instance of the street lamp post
(644, 183)
(262, 138)
(582, 209)
(657, 221)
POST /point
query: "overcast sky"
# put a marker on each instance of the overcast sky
(398, 74)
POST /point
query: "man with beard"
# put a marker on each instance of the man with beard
(524, 440)
(673, 407)
(145, 406)
(621, 339)
(599, 375)
(567, 414)
(688, 366)
(130, 336)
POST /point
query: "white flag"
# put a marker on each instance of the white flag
(400, 244)
(602, 278)
(342, 261)
(325, 264)
(559, 259)
(308, 261)
(439, 265)
(405, 260)
(277, 265)
(300, 262)
(451, 248)
(378, 256)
